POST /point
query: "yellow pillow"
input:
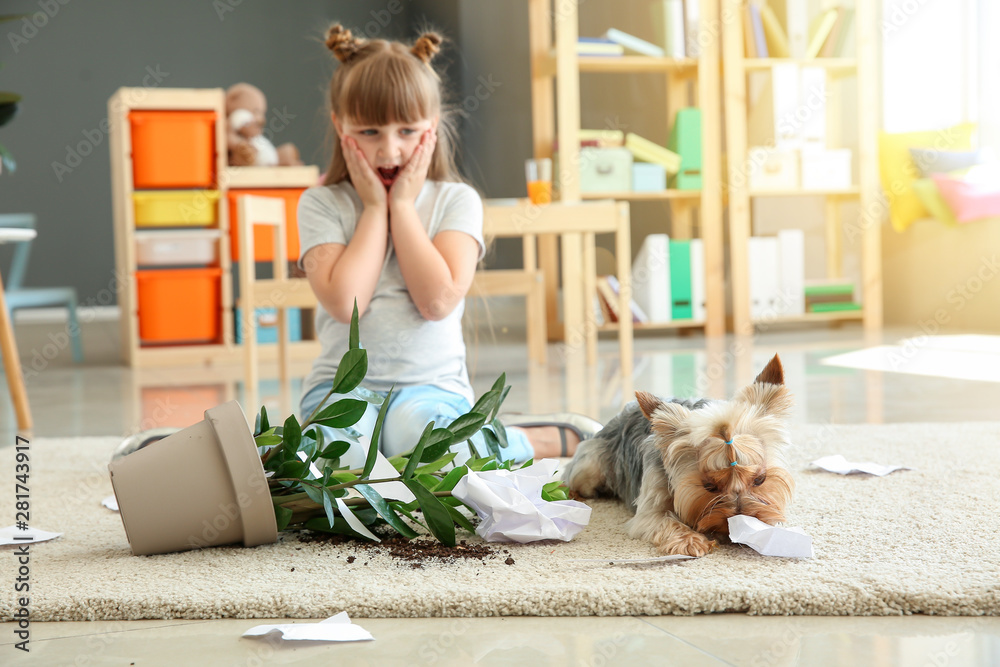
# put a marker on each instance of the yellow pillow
(898, 170)
(927, 191)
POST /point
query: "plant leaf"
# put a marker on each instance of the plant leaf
(345, 412)
(385, 511)
(434, 466)
(486, 402)
(460, 519)
(291, 434)
(351, 371)
(292, 468)
(492, 443)
(439, 520)
(418, 451)
(282, 516)
(451, 479)
(264, 423)
(555, 490)
(503, 397)
(355, 338)
(501, 432)
(328, 508)
(335, 450)
(376, 436)
(403, 508)
(441, 439)
(467, 425)
(267, 440)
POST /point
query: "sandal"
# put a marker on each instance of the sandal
(583, 426)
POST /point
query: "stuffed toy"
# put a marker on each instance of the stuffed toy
(246, 115)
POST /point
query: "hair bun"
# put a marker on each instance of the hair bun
(427, 46)
(343, 44)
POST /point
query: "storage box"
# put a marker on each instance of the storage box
(267, 324)
(176, 208)
(773, 169)
(177, 247)
(179, 305)
(263, 236)
(173, 149)
(826, 169)
(648, 177)
(605, 170)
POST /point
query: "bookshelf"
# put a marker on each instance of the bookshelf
(862, 65)
(555, 91)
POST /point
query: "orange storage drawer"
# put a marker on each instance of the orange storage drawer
(173, 149)
(180, 305)
(263, 236)
(178, 406)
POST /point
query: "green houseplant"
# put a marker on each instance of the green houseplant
(289, 477)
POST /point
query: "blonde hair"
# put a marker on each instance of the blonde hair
(380, 82)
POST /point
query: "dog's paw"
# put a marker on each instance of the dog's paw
(690, 544)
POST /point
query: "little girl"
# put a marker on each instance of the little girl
(394, 227)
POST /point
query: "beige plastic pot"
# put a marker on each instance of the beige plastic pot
(199, 487)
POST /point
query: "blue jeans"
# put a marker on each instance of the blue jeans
(410, 410)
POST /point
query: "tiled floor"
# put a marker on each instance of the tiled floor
(104, 398)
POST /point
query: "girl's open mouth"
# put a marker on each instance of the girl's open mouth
(388, 175)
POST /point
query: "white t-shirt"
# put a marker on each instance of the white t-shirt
(403, 348)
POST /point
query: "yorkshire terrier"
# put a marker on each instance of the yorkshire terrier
(684, 467)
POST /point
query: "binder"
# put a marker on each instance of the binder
(763, 262)
(791, 272)
(651, 278)
(773, 116)
(794, 15)
(669, 26)
(698, 310)
(680, 280)
(685, 140)
(812, 97)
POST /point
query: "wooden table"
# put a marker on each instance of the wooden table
(8, 346)
(576, 224)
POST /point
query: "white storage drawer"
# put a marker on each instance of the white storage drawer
(773, 169)
(190, 247)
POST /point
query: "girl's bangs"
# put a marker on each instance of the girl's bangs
(390, 91)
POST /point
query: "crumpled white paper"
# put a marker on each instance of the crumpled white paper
(838, 464)
(770, 540)
(334, 629)
(111, 502)
(510, 506)
(13, 535)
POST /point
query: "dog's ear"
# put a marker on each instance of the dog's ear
(664, 418)
(769, 391)
(773, 373)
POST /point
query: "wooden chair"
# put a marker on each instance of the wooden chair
(8, 346)
(528, 282)
(279, 292)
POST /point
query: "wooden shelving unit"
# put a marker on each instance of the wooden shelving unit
(227, 178)
(867, 227)
(556, 117)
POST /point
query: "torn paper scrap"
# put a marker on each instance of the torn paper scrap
(15, 535)
(511, 509)
(633, 561)
(838, 464)
(770, 540)
(334, 629)
(111, 502)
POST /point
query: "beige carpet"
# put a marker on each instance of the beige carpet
(919, 541)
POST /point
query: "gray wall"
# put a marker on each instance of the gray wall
(69, 66)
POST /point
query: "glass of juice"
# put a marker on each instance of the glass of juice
(539, 175)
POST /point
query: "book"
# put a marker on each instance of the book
(605, 138)
(633, 44)
(680, 280)
(760, 43)
(835, 43)
(692, 29)
(777, 40)
(834, 307)
(647, 151)
(815, 288)
(822, 32)
(597, 46)
(651, 277)
(638, 314)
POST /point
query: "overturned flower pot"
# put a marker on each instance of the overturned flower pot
(201, 486)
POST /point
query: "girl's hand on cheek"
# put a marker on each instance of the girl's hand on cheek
(412, 176)
(363, 175)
